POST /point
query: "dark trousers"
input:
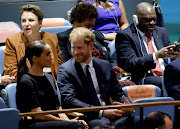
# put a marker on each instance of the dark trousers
(50, 125)
(155, 80)
(122, 123)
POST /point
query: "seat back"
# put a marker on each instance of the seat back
(142, 91)
(8, 29)
(9, 118)
(11, 95)
(168, 109)
(54, 22)
(2, 103)
(55, 30)
(2, 59)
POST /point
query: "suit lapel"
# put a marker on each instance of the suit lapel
(82, 77)
(138, 43)
(23, 44)
(157, 40)
(99, 75)
(98, 71)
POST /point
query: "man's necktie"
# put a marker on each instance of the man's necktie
(94, 98)
(157, 71)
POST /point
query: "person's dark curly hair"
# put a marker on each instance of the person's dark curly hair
(83, 11)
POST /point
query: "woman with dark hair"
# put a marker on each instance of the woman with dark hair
(112, 17)
(31, 21)
(36, 91)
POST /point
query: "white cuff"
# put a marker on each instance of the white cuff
(100, 113)
(154, 58)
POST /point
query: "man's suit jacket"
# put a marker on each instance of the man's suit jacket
(134, 59)
(65, 46)
(74, 87)
(172, 79)
(15, 50)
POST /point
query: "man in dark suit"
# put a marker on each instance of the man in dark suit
(171, 79)
(143, 48)
(78, 90)
(172, 85)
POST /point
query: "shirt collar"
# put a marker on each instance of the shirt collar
(83, 65)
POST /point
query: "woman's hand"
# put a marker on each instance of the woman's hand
(80, 121)
(6, 79)
(110, 36)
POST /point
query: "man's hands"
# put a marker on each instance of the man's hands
(116, 113)
(112, 113)
(6, 79)
(167, 52)
(110, 36)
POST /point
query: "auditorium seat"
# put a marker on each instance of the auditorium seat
(55, 30)
(142, 91)
(9, 118)
(7, 29)
(144, 111)
(55, 25)
(54, 22)
(2, 103)
(11, 95)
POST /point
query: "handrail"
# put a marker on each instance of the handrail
(87, 109)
